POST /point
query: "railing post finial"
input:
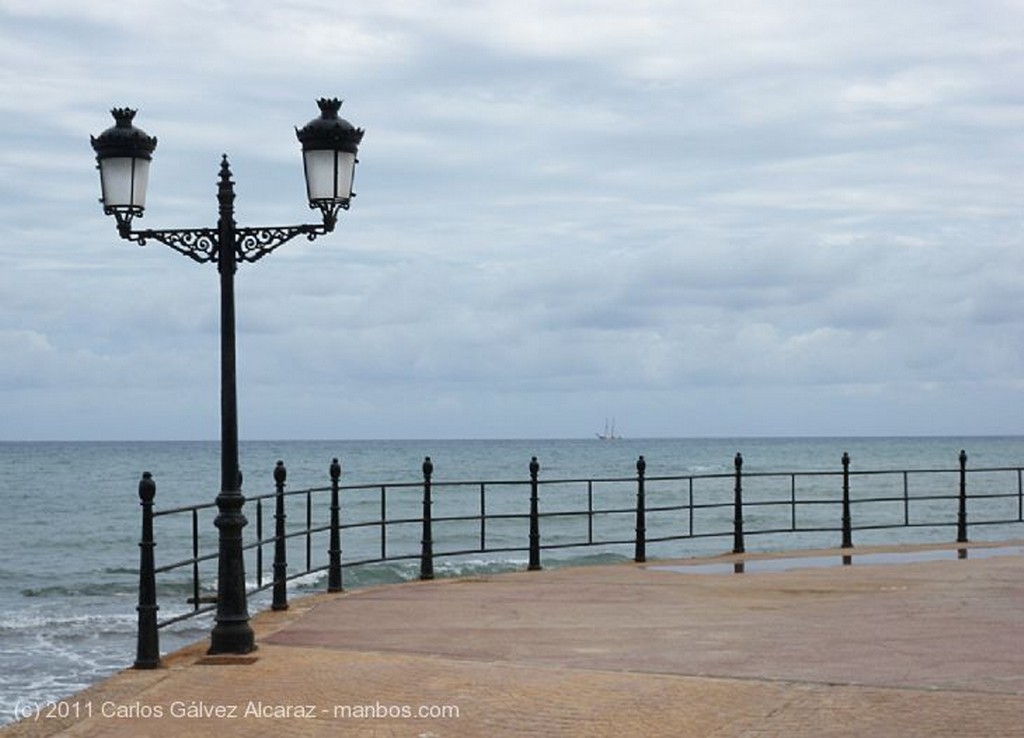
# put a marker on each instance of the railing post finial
(737, 519)
(534, 564)
(334, 583)
(961, 518)
(148, 646)
(280, 552)
(640, 547)
(847, 521)
(427, 542)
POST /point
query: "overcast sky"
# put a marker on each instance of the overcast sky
(697, 218)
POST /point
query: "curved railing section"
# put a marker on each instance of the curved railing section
(426, 520)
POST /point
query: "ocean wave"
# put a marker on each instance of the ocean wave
(121, 570)
(594, 559)
(396, 572)
(48, 622)
(95, 589)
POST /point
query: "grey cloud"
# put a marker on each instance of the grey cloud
(810, 209)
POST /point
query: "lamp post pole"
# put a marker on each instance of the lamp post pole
(123, 154)
(232, 633)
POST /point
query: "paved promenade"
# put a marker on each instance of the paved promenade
(915, 643)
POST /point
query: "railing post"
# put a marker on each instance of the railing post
(148, 648)
(383, 522)
(483, 516)
(847, 523)
(534, 517)
(737, 520)
(961, 518)
(195, 558)
(640, 550)
(1020, 496)
(259, 546)
(309, 529)
(427, 543)
(280, 554)
(334, 567)
(590, 512)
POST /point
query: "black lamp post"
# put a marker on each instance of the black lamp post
(123, 153)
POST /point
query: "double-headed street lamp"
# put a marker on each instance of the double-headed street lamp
(123, 153)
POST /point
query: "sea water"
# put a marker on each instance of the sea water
(71, 522)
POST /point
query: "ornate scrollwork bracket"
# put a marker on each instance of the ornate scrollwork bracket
(252, 244)
(198, 244)
(203, 244)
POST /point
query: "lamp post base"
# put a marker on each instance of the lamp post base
(233, 638)
(232, 633)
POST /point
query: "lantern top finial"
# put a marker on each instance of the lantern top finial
(123, 117)
(329, 107)
(329, 131)
(123, 139)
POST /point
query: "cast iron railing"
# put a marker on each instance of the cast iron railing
(685, 507)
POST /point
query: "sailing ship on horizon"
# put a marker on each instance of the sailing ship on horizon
(609, 431)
